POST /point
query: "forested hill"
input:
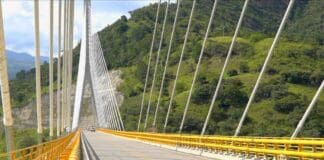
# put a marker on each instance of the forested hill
(127, 41)
(293, 75)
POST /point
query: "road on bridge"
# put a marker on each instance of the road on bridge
(116, 148)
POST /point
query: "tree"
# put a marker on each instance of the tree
(244, 68)
(27, 142)
(202, 94)
(204, 90)
(21, 74)
(297, 77)
(275, 89)
(232, 94)
(317, 77)
(141, 71)
(232, 72)
(320, 52)
(288, 104)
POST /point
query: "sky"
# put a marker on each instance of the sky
(19, 21)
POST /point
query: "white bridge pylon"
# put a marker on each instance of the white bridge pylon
(93, 71)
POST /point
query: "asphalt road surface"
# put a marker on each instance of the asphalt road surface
(109, 147)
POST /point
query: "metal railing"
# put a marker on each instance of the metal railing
(72, 151)
(267, 147)
(50, 150)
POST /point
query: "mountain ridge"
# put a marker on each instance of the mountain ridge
(18, 61)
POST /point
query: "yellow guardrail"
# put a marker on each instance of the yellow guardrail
(268, 147)
(49, 150)
(76, 151)
(72, 151)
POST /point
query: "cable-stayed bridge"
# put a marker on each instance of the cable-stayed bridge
(111, 139)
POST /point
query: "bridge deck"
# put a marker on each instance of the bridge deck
(115, 148)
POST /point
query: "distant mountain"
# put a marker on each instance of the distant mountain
(20, 61)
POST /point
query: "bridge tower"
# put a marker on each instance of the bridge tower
(93, 71)
(84, 76)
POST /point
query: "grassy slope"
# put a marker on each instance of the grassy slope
(294, 52)
(262, 113)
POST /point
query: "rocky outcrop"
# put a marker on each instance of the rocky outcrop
(25, 117)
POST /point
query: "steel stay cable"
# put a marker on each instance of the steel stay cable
(94, 111)
(198, 65)
(111, 112)
(111, 116)
(5, 91)
(282, 24)
(58, 98)
(109, 121)
(71, 27)
(166, 61)
(307, 112)
(224, 66)
(51, 79)
(111, 105)
(179, 66)
(109, 84)
(156, 64)
(100, 109)
(66, 60)
(93, 73)
(102, 70)
(67, 64)
(149, 64)
(99, 72)
(64, 68)
(38, 69)
(112, 90)
(115, 107)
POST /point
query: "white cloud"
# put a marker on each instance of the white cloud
(19, 21)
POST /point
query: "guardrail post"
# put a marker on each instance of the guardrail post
(314, 148)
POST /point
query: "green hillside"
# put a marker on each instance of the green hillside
(294, 73)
